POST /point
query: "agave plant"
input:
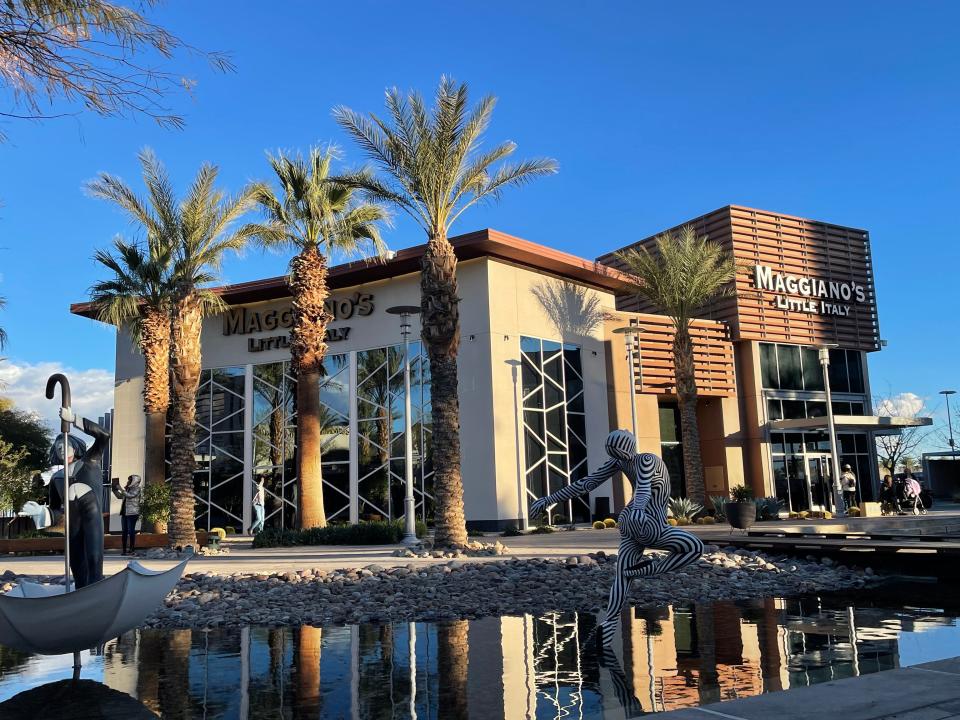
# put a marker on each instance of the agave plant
(768, 508)
(683, 508)
(718, 501)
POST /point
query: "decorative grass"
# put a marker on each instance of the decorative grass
(363, 533)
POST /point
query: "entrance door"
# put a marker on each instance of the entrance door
(820, 481)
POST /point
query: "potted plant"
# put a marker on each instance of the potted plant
(155, 507)
(741, 511)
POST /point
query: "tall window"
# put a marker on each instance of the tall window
(274, 441)
(671, 447)
(335, 429)
(553, 423)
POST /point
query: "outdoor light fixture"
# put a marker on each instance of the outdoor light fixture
(409, 504)
(947, 394)
(632, 331)
(823, 352)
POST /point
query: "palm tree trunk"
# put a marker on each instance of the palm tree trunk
(441, 334)
(309, 644)
(452, 661)
(155, 345)
(308, 346)
(185, 360)
(687, 397)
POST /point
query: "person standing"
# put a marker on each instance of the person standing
(131, 495)
(848, 481)
(911, 491)
(259, 498)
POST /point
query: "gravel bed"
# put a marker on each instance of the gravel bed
(466, 589)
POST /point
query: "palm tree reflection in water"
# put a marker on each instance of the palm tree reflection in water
(546, 666)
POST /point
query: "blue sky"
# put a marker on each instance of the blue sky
(845, 112)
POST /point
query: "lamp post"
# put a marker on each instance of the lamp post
(947, 394)
(824, 355)
(630, 332)
(409, 504)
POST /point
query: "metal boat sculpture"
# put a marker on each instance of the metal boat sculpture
(45, 620)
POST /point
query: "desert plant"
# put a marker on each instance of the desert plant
(768, 508)
(853, 511)
(512, 531)
(542, 530)
(230, 529)
(610, 523)
(599, 525)
(683, 509)
(219, 532)
(741, 493)
(706, 520)
(718, 501)
(672, 522)
(434, 169)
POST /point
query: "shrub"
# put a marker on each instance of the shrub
(741, 493)
(706, 520)
(542, 530)
(793, 515)
(683, 521)
(683, 509)
(512, 531)
(609, 523)
(599, 525)
(155, 503)
(375, 532)
(827, 515)
(230, 529)
(219, 532)
(671, 522)
(853, 511)
(803, 514)
(718, 501)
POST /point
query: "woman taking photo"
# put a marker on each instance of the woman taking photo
(129, 510)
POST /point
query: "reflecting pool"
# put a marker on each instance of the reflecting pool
(499, 667)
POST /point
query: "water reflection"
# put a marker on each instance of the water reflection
(503, 667)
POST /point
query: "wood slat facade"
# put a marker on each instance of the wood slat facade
(788, 245)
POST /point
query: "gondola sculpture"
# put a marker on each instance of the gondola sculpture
(55, 619)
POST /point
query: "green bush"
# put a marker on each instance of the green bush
(609, 523)
(718, 501)
(599, 525)
(231, 530)
(512, 531)
(683, 509)
(375, 532)
(741, 493)
(155, 503)
(768, 508)
(542, 530)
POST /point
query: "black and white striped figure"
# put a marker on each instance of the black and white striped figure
(642, 523)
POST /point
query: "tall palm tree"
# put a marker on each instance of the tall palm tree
(683, 273)
(319, 218)
(433, 169)
(138, 295)
(200, 231)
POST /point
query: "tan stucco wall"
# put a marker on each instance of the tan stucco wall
(757, 460)
(129, 422)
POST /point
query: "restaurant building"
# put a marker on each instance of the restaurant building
(543, 378)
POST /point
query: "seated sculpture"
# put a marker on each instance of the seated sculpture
(642, 522)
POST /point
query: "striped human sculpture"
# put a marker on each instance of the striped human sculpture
(642, 523)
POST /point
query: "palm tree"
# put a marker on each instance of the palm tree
(433, 169)
(199, 230)
(319, 218)
(682, 275)
(137, 295)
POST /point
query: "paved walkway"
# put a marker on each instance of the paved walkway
(930, 691)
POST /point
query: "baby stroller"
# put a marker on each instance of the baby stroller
(912, 499)
(891, 498)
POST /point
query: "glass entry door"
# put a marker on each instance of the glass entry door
(820, 481)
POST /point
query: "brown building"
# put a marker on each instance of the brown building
(543, 379)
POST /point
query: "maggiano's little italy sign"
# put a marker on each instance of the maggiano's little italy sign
(244, 321)
(807, 294)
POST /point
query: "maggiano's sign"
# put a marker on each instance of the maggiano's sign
(244, 321)
(810, 295)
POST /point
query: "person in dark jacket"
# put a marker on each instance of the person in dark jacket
(86, 481)
(131, 496)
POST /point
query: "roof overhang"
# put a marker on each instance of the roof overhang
(879, 425)
(483, 243)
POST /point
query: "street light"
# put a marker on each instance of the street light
(409, 504)
(631, 331)
(824, 355)
(947, 394)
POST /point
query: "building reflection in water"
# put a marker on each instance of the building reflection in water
(505, 667)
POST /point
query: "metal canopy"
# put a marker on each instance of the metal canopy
(879, 425)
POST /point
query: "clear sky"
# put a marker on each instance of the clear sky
(657, 112)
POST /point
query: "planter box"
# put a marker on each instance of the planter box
(110, 542)
(740, 515)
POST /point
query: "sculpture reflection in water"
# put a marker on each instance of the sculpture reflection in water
(642, 522)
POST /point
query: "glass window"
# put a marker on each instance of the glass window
(793, 442)
(669, 423)
(856, 408)
(815, 408)
(839, 379)
(554, 423)
(840, 407)
(847, 443)
(768, 365)
(855, 369)
(774, 410)
(777, 442)
(794, 409)
(791, 377)
(812, 372)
